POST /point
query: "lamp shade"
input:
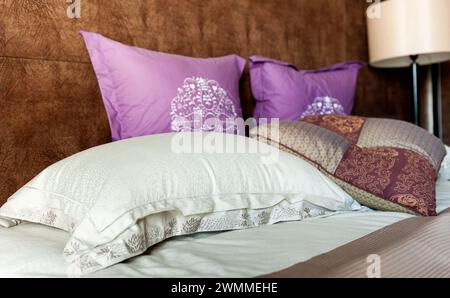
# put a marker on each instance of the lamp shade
(403, 28)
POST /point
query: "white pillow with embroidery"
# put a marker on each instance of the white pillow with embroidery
(119, 199)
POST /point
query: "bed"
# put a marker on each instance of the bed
(52, 109)
(217, 255)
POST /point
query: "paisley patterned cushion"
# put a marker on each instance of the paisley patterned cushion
(385, 164)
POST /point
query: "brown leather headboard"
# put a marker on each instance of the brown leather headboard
(50, 105)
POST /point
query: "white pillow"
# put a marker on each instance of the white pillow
(444, 174)
(119, 199)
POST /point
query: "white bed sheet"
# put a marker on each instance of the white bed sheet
(31, 250)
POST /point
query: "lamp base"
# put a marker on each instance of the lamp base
(415, 90)
(437, 100)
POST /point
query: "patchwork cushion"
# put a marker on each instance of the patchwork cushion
(385, 164)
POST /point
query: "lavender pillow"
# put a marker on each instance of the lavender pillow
(283, 91)
(147, 92)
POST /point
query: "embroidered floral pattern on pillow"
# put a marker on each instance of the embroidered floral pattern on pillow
(152, 230)
(324, 106)
(201, 105)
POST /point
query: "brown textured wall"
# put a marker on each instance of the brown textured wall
(49, 99)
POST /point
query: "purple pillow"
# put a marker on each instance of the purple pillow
(147, 92)
(283, 91)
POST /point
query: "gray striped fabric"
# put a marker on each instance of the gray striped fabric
(416, 247)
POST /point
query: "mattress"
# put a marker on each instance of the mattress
(31, 250)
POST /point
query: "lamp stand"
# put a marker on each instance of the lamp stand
(437, 100)
(415, 85)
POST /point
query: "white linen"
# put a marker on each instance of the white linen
(31, 250)
(120, 198)
(8, 222)
(444, 174)
(442, 196)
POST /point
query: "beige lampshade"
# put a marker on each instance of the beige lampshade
(398, 29)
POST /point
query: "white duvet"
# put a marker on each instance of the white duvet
(31, 250)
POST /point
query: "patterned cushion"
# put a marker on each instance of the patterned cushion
(385, 164)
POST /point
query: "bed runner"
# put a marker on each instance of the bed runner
(414, 247)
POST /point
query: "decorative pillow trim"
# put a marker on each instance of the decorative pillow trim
(137, 239)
